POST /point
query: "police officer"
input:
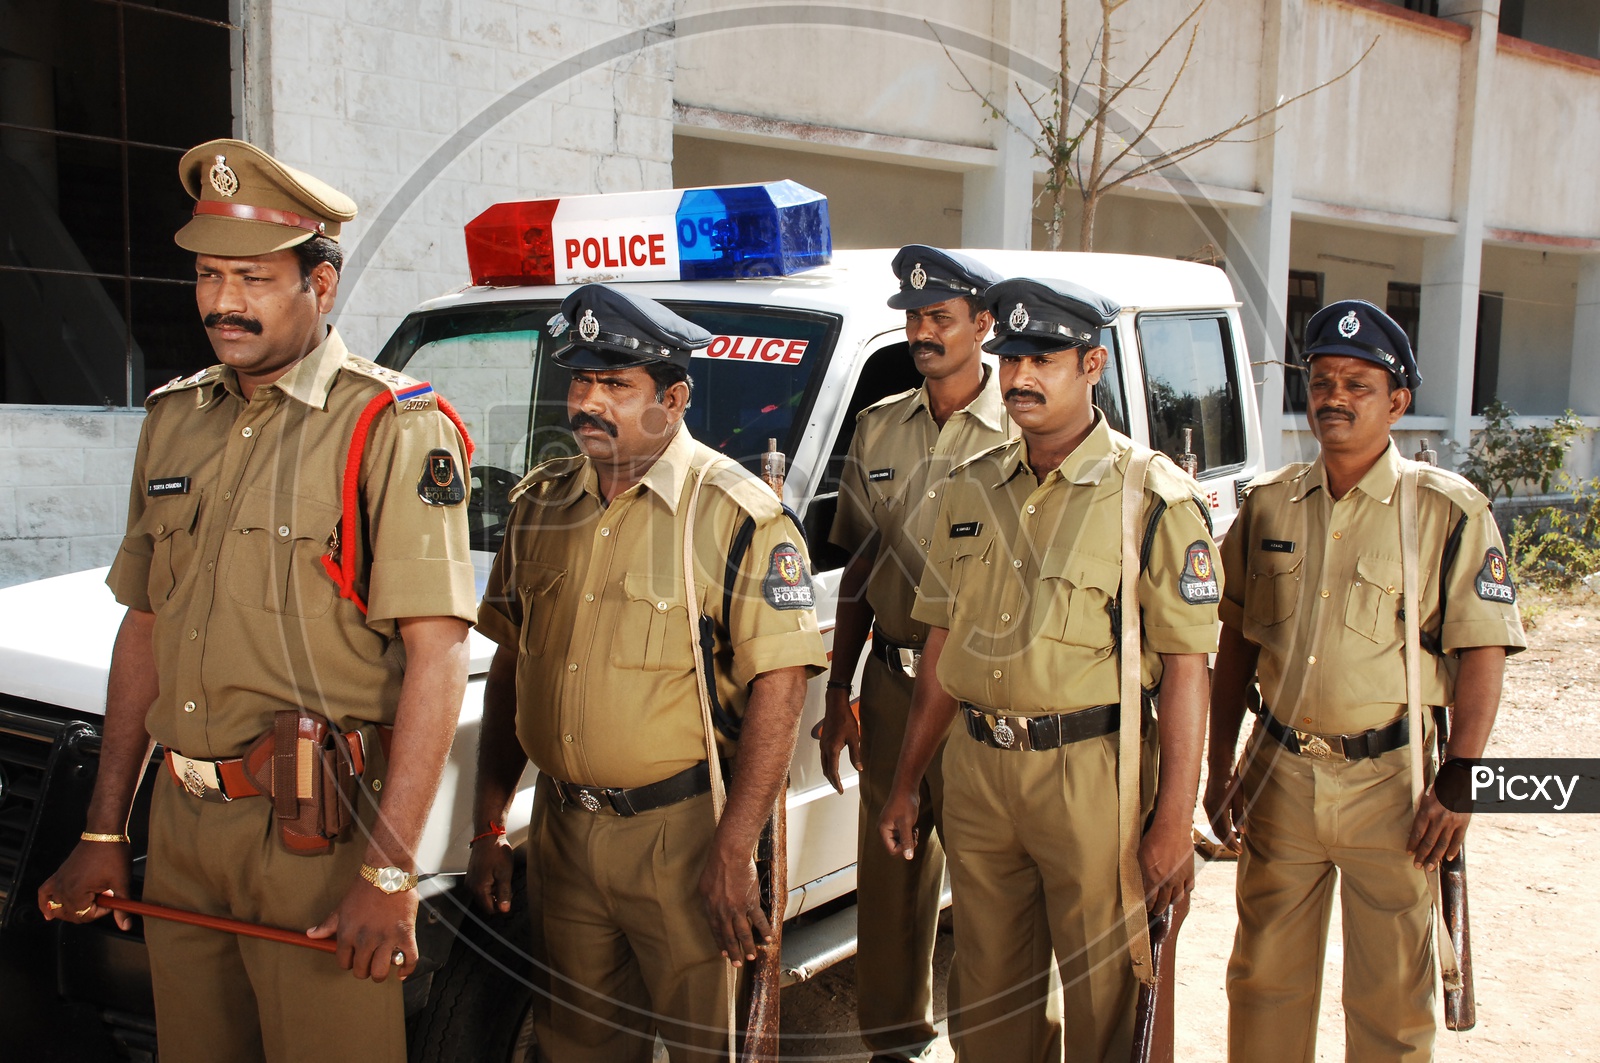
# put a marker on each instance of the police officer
(234, 618)
(640, 900)
(903, 447)
(1021, 580)
(1314, 608)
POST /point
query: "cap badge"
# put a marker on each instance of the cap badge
(919, 277)
(1018, 319)
(588, 327)
(223, 179)
(1349, 325)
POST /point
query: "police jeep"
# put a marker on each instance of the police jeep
(803, 342)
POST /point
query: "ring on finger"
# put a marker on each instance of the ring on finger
(54, 904)
(85, 910)
(399, 958)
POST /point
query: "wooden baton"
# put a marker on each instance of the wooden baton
(216, 922)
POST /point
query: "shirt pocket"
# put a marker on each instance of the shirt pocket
(538, 590)
(1272, 589)
(170, 524)
(279, 540)
(1373, 608)
(1078, 588)
(653, 633)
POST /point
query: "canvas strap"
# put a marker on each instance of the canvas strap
(719, 792)
(1411, 565)
(1129, 874)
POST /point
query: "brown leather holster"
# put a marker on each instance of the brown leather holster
(311, 771)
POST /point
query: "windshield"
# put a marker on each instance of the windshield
(755, 381)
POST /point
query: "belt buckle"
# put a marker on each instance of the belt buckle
(909, 661)
(199, 778)
(1316, 747)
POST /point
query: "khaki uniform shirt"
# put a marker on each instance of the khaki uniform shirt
(592, 595)
(233, 506)
(1023, 574)
(1316, 583)
(889, 492)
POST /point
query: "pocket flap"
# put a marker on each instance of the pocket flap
(163, 517)
(286, 516)
(1271, 563)
(1381, 573)
(537, 580)
(1081, 569)
(648, 587)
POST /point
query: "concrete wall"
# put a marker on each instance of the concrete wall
(366, 93)
(1540, 291)
(65, 502)
(1542, 130)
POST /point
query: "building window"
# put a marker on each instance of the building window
(1405, 306)
(1305, 299)
(1190, 380)
(98, 100)
(1486, 353)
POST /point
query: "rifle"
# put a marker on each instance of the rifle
(1153, 1014)
(760, 1042)
(761, 1006)
(1460, 1004)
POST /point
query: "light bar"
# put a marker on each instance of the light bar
(764, 230)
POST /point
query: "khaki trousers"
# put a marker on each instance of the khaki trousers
(897, 899)
(621, 947)
(1305, 820)
(1032, 838)
(219, 996)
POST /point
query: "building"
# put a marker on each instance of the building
(1445, 178)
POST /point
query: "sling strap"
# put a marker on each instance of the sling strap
(339, 563)
(1130, 876)
(1411, 563)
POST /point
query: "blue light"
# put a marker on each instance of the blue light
(765, 230)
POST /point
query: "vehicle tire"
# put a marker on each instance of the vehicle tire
(479, 1003)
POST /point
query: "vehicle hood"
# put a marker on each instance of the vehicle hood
(55, 640)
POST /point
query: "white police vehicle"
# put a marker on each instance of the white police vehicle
(804, 341)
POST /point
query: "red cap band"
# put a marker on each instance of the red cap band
(245, 212)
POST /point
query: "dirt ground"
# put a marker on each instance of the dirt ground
(1535, 900)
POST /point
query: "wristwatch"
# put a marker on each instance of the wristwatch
(389, 879)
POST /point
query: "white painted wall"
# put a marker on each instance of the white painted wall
(1544, 131)
(1540, 290)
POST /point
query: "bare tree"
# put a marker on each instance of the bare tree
(1064, 125)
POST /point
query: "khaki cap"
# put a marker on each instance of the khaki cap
(248, 203)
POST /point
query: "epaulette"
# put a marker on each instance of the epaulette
(887, 400)
(746, 489)
(410, 395)
(210, 374)
(1292, 471)
(1170, 483)
(979, 456)
(1455, 487)
(546, 472)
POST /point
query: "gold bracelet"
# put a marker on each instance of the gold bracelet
(90, 836)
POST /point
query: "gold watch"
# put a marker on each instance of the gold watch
(389, 879)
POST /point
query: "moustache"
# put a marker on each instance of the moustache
(1329, 412)
(589, 420)
(1023, 393)
(928, 346)
(249, 324)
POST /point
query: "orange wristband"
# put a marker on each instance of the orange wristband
(494, 831)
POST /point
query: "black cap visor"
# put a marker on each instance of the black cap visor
(585, 356)
(1366, 352)
(1026, 345)
(931, 293)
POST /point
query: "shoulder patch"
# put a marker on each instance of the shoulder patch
(205, 376)
(788, 584)
(1494, 579)
(546, 472)
(1198, 583)
(441, 483)
(1455, 487)
(409, 393)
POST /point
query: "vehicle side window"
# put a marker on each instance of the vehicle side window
(1108, 393)
(1191, 382)
(888, 371)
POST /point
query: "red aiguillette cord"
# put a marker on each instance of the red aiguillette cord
(216, 922)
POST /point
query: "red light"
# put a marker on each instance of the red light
(510, 243)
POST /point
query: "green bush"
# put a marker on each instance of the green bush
(1555, 547)
(1503, 455)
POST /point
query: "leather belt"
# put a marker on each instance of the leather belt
(690, 782)
(1361, 746)
(1042, 732)
(226, 780)
(899, 656)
